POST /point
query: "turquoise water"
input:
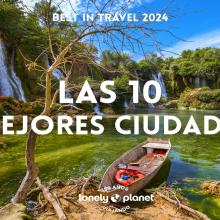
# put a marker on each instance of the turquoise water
(193, 157)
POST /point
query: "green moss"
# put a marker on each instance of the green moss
(1, 110)
(173, 104)
(87, 106)
(37, 108)
(208, 95)
(202, 98)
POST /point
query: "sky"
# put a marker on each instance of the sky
(196, 24)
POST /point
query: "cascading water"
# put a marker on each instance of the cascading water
(126, 106)
(59, 75)
(97, 109)
(5, 85)
(17, 82)
(200, 82)
(10, 84)
(56, 72)
(159, 78)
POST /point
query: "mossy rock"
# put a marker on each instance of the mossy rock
(108, 110)
(56, 107)
(172, 104)
(38, 107)
(14, 212)
(86, 106)
(118, 105)
(10, 100)
(211, 188)
(11, 105)
(27, 108)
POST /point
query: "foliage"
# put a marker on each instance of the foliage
(37, 108)
(43, 11)
(121, 84)
(182, 72)
(208, 95)
(201, 62)
(187, 68)
(29, 33)
(12, 21)
(81, 80)
(201, 98)
(114, 60)
(33, 40)
(1, 110)
(149, 66)
(209, 69)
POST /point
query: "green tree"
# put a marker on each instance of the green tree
(12, 22)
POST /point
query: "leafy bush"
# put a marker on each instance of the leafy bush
(121, 84)
(202, 98)
(209, 95)
(12, 21)
(38, 108)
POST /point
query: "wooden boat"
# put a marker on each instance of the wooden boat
(146, 158)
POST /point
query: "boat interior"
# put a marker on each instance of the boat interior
(144, 159)
(147, 162)
(153, 155)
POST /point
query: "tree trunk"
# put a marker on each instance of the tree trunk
(31, 169)
(48, 98)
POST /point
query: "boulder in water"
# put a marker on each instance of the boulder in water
(211, 187)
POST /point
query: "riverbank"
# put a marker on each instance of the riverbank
(61, 200)
(191, 99)
(196, 99)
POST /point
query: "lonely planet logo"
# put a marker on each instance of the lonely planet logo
(115, 198)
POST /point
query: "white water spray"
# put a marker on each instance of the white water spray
(126, 106)
(10, 84)
(97, 109)
(159, 78)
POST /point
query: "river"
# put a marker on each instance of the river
(64, 157)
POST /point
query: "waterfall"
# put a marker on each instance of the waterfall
(10, 84)
(126, 104)
(203, 82)
(5, 113)
(150, 105)
(59, 76)
(17, 81)
(159, 78)
(200, 82)
(56, 72)
(5, 85)
(197, 82)
(97, 109)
